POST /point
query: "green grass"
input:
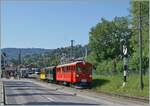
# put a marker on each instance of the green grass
(113, 84)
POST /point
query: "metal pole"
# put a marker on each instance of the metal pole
(125, 61)
(86, 52)
(72, 49)
(19, 63)
(140, 49)
(125, 69)
(19, 57)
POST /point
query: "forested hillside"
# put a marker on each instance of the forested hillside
(12, 53)
(45, 57)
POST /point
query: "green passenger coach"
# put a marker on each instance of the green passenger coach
(51, 74)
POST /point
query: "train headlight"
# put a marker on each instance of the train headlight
(77, 75)
(90, 75)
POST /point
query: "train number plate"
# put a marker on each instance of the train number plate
(83, 80)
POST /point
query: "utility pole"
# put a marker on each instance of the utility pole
(140, 48)
(86, 51)
(72, 55)
(19, 57)
(125, 61)
(19, 64)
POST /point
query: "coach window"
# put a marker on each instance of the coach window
(59, 69)
(78, 68)
(67, 68)
(70, 68)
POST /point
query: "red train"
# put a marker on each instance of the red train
(76, 73)
(79, 72)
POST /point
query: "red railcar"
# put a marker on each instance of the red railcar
(75, 73)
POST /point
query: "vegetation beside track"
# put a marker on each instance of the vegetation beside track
(113, 84)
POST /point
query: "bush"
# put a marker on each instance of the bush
(105, 67)
(119, 66)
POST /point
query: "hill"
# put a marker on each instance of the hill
(12, 53)
(45, 57)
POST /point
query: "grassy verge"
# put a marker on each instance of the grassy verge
(113, 84)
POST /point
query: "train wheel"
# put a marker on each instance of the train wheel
(68, 84)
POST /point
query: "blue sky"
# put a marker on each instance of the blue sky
(52, 24)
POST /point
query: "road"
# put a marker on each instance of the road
(25, 92)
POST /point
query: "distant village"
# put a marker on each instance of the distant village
(10, 70)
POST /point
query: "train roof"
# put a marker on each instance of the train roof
(73, 63)
(50, 67)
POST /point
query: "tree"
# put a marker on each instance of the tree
(105, 39)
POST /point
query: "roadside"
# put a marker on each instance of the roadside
(113, 85)
(1, 93)
(89, 95)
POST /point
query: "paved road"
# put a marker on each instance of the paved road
(28, 93)
(24, 92)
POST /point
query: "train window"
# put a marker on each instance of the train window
(67, 68)
(78, 68)
(59, 69)
(63, 69)
(70, 68)
(85, 68)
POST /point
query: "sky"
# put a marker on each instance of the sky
(53, 24)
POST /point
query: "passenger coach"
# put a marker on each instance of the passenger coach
(51, 74)
(42, 74)
(76, 73)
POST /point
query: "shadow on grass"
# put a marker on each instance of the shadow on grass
(99, 82)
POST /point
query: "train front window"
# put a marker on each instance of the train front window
(78, 68)
(83, 68)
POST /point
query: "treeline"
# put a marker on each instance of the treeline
(107, 39)
(12, 53)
